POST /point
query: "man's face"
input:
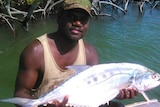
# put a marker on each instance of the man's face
(75, 23)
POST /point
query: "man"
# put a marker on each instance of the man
(42, 63)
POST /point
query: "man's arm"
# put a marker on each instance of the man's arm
(91, 55)
(30, 74)
(30, 66)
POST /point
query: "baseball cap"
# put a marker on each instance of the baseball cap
(82, 4)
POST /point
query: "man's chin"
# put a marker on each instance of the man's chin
(76, 37)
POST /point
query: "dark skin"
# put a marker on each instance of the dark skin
(72, 26)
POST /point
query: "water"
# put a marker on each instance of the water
(127, 38)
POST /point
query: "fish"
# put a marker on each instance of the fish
(92, 86)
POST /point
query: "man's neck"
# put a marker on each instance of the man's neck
(63, 43)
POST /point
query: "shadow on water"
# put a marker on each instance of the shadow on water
(127, 38)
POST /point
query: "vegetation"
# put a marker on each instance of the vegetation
(22, 11)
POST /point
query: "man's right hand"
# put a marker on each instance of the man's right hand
(56, 103)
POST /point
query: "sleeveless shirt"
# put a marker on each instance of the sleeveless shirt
(53, 74)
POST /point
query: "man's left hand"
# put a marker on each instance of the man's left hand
(127, 93)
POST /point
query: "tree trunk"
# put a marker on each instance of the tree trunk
(30, 12)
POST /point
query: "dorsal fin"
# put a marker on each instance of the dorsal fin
(78, 68)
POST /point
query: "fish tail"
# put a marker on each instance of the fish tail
(18, 101)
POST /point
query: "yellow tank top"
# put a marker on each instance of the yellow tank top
(53, 74)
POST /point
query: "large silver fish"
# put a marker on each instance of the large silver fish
(92, 86)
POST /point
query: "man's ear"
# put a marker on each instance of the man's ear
(59, 17)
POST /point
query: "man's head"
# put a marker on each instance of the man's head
(73, 19)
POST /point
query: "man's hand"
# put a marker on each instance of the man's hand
(128, 93)
(56, 103)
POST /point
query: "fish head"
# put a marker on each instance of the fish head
(147, 81)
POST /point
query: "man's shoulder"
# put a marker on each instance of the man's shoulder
(88, 46)
(33, 46)
(44, 36)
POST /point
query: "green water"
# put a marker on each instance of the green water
(10, 49)
(128, 38)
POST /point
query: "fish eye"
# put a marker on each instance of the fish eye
(154, 76)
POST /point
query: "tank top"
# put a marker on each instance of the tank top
(53, 74)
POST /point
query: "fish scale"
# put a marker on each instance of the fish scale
(92, 86)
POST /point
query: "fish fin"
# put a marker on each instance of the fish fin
(104, 98)
(112, 94)
(45, 105)
(79, 68)
(145, 96)
(16, 100)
